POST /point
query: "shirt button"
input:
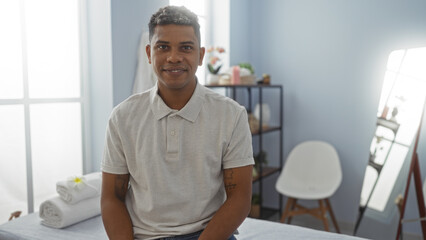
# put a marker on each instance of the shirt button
(172, 132)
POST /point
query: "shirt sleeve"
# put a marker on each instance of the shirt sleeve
(114, 160)
(240, 151)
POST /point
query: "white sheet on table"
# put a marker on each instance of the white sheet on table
(252, 229)
(28, 227)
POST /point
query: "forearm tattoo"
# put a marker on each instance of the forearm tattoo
(121, 184)
(229, 180)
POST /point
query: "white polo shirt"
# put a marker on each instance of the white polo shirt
(175, 158)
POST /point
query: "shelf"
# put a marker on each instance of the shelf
(268, 213)
(254, 95)
(267, 129)
(266, 171)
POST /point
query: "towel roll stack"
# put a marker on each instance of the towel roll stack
(78, 199)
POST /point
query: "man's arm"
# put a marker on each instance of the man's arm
(115, 217)
(238, 184)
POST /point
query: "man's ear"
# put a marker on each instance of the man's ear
(202, 52)
(148, 52)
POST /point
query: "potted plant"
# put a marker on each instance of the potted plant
(214, 64)
(247, 66)
(247, 73)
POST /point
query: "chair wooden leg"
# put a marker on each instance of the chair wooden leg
(287, 209)
(323, 214)
(320, 212)
(291, 210)
(327, 202)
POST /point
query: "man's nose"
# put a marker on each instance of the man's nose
(175, 56)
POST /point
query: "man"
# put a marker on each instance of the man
(178, 158)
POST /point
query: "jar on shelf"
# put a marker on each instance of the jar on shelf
(266, 113)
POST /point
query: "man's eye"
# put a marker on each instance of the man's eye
(187, 48)
(162, 47)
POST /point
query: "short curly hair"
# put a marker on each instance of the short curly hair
(174, 15)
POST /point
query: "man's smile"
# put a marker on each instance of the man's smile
(180, 68)
(174, 70)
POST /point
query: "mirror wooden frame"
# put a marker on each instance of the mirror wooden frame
(415, 172)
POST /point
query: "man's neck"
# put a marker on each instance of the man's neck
(177, 99)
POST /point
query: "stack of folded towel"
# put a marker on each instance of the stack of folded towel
(78, 200)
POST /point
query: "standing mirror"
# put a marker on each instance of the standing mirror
(398, 117)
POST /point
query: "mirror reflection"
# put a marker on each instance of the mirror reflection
(398, 117)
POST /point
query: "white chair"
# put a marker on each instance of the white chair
(311, 172)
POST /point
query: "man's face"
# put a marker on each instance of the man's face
(175, 55)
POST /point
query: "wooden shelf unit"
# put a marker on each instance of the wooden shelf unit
(263, 171)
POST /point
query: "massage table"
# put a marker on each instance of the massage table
(29, 227)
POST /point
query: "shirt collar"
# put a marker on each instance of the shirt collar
(189, 112)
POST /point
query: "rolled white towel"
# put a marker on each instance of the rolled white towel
(76, 189)
(56, 213)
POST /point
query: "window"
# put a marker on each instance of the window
(40, 101)
(199, 8)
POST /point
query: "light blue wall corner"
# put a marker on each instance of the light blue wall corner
(100, 85)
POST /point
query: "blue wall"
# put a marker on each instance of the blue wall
(330, 56)
(241, 21)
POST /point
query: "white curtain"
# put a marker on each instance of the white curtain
(145, 77)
